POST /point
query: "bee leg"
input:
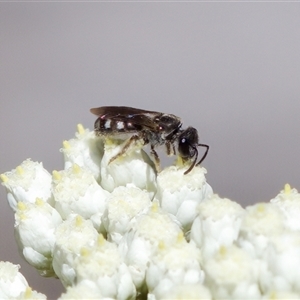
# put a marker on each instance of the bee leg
(128, 143)
(156, 159)
(174, 151)
(170, 148)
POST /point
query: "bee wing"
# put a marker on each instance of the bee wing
(111, 111)
(136, 116)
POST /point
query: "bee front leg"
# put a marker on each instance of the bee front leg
(156, 159)
(170, 148)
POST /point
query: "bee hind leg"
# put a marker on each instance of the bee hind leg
(126, 146)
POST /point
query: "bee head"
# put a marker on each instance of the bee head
(187, 143)
(187, 147)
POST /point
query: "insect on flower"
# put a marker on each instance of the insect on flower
(153, 128)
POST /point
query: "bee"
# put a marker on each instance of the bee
(151, 127)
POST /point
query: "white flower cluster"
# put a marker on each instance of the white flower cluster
(119, 230)
(13, 284)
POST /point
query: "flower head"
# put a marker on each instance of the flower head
(132, 167)
(26, 183)
(102, 266)
(12, 282)
(71, 236)
(173, 265)
(261, 223)
(35, 225)
(186, 291)
(31, 295)
(231, 273)
(124, 206)
(288, 201)
(75, 190)
(179, 194)
(142, 241)
(217, 224)
(85, 150)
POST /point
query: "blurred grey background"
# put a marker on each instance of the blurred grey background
(231, 70)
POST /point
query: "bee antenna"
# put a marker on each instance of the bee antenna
(196, 157)
(204, 155)
(194, 162)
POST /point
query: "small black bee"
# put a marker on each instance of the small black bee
(154, 128)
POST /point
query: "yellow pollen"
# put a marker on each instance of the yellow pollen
(28, 293)
(20, 170)
(154, 207)
(66, 145)
(39, 201)
(21, 206)
(273, 296)
(4, 178)
(223, 251)
(22, 216)
(56, 175)
(161, 245)
(180, 237)
(109, 142)
(80, 129)
(78, 221)
(179, 162)
(287, 189)
(139, 143)
(101, 240)
(260, 207)
(84, 252)
(76, 169)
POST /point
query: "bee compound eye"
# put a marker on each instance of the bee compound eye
(184, 148)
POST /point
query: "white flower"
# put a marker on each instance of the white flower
(139, 244)
(26, 183)
(282, 257)
(173, 265)
(31, 295)
(288, 200)
(12, 282)
(217, 224)
(180, 194)
(187, 292)
(102, 265)
(71, 236)
(261, 223)
(124, 206)
(83, 290)
(232, 274)
(86, 150)
(35, 224)
(75, 190)
(134, 166)
(280, 296)
(187, 243)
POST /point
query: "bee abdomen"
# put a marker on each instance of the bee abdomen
(111, 126)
